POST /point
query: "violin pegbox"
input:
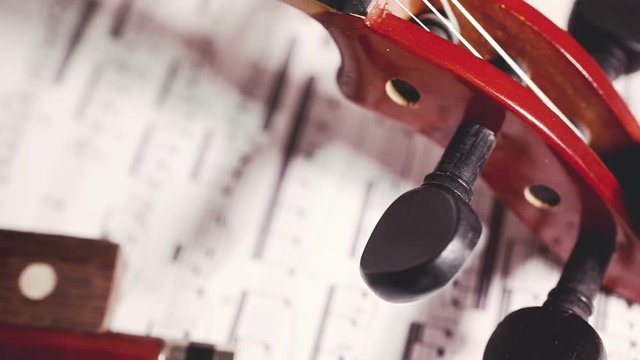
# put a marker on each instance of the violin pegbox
(392, 66)
(442, 68)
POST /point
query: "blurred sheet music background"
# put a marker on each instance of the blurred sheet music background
(209, 140)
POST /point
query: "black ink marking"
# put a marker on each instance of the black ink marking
(233, 332)
(363, 210)
(275, 94)
(176, 252)
(121, 18)
(167, 83)
(300, 119)
(202, 155)
(455, 302)
(86, 15)
(508, 258)
(298, 124)
(140, 151)
(322, 327)
(416, 331)
(496, 227)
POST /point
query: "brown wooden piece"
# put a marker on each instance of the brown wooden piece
(85, 273)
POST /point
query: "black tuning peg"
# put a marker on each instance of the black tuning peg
(542, 333)
(609, 31)
(558, 330)
(425, 236)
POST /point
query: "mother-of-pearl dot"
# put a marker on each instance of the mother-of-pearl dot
(37, 281)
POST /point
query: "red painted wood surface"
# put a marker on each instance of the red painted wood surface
(533, 145)
(22, 343)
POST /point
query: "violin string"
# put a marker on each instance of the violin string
(451, 28)
(415, 18)
(451, 16)
(510, 62)
(517, 69)
(444, 20)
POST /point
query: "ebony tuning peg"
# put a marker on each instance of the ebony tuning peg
(609, 31)
(558, 330)
(542, 333)
(425, 236)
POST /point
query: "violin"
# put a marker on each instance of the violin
(515, 99)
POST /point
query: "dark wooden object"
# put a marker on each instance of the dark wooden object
(85, 272)
(427, 234)
(559, 328)
(609, 31)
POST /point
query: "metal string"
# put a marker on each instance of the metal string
(451, 28)
(517, 69)
(451, 16)
(415, 18)
(448, 24)
(503, 54)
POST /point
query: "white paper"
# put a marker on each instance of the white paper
(150, 129)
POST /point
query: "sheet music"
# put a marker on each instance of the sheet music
(210, 141)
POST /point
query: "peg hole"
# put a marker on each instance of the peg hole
(541, 196)
(401, 92)
(37, 281)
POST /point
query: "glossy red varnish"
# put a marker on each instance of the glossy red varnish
(533, 145)
(22, 343)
